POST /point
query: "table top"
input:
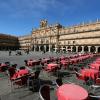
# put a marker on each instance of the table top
(3, 64)
(62, 58)
(98, 62)
(95, 66)
(89, 73)
(71, 92)
(32, 62)
(89, 70)
(51, 66)
(20, 73)
(64, 62)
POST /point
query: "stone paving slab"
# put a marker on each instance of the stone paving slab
(24, 93)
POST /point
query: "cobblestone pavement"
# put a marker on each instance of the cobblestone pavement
(23, 93)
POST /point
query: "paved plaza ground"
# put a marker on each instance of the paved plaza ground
(4, 56)
(6, 92)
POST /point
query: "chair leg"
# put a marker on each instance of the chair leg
(11, 83)
(14, 83)
(30, 84)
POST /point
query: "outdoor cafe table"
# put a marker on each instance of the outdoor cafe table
(95, 66)
(91, 73)
(64, 63)
(51, 66)
(31, 62)
(98, 62)
(45, 60)
(73, 60)
(62, 58)
(98, 59)
(71, 92)
(3, 67)
(20, 73)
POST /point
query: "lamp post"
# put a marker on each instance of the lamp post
(50, 41)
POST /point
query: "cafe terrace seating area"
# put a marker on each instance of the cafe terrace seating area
(74, 77)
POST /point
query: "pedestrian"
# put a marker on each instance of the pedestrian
(43, 51)
(9, 52)
(27, 51)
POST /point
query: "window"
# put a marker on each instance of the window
(68, 42)
(73, 42)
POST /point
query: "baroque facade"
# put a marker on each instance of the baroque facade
(78, 38)
(25, 42)
(8, 42)
(46, 38)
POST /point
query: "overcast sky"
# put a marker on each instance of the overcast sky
(18, 17)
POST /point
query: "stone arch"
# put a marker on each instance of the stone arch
(92, 49)
(69, 48)
(98, 49)
(64, 48)
(53, 47)
(59, 48)
(0, 48)
(47, 47)
(73, 49)
(37, 48)
(86, 49)
(33, 47)
(42, 48)
(79, 49)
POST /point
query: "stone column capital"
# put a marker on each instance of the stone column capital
(96, 46)
(89, 46)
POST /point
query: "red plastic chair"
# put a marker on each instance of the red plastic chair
(44, 92)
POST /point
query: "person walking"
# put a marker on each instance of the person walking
(9, 52)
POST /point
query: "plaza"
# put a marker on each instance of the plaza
(71, 54)
(49, 50)
(23, 93)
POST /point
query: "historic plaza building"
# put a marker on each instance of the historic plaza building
(8, 42)
(79, 38)
(25, 42)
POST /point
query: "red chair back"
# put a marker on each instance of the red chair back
(44, 92)
(11, 71)
(98, 81)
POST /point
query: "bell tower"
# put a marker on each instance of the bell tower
(43, 23)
